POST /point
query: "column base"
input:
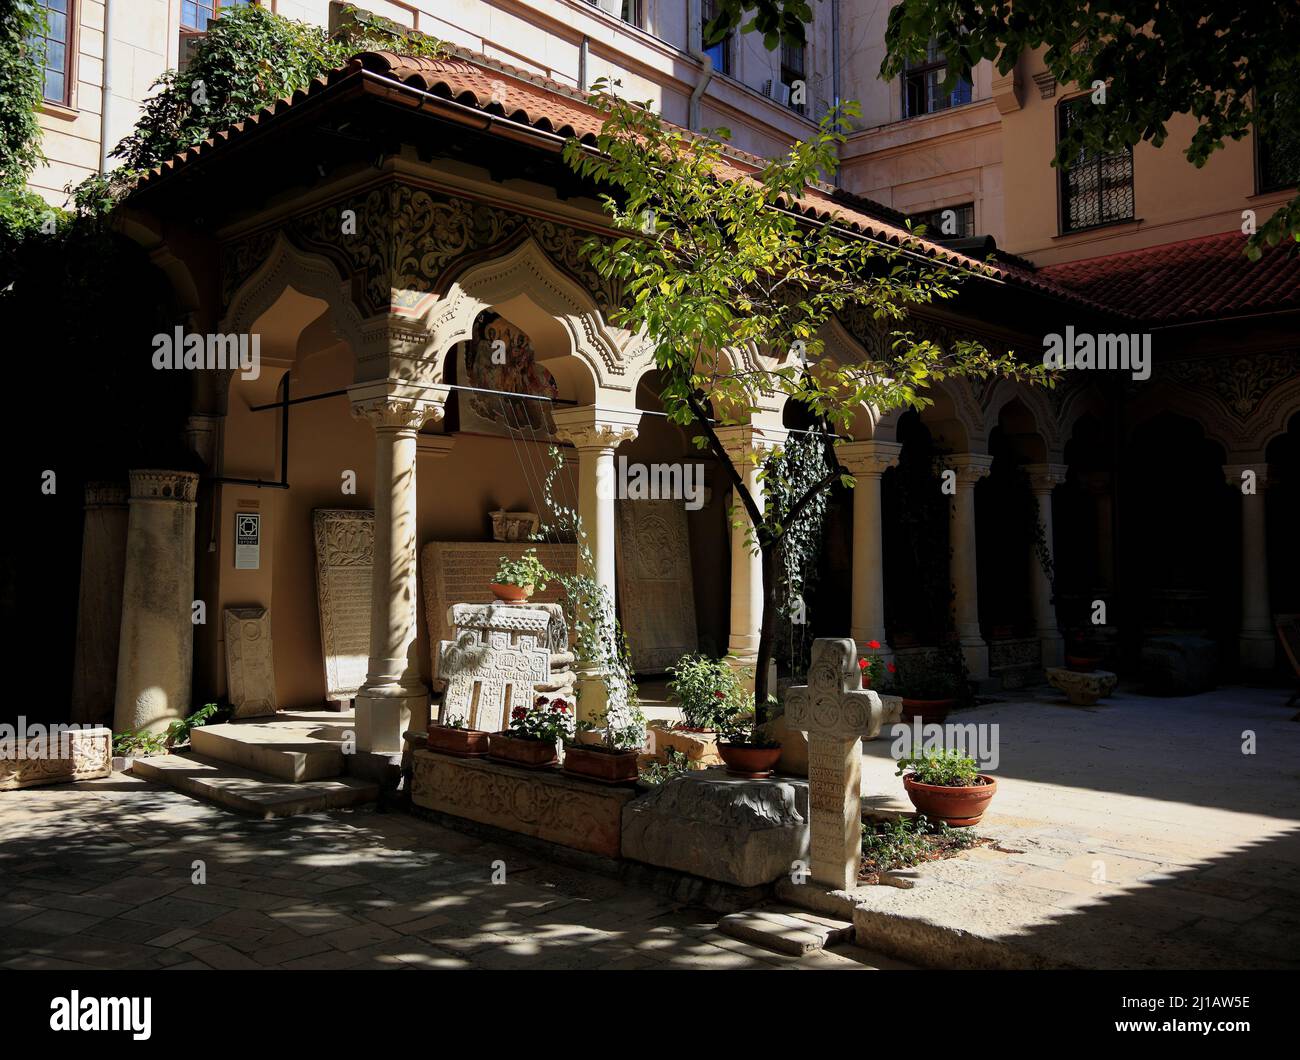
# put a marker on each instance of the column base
(381, 719)
(1053, 649)
(1258, 651)
(750, 662)
(976, 653)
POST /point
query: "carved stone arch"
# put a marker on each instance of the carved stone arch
(526, 271)
(1006, 391)
(309, 274)
(1213, 418)
(1268, 420)
(969, 414)
(1075, 403)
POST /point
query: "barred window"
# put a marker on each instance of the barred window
(1098, 188)
(1277, 148)
(792, 68)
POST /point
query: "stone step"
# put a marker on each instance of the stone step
(252, 793)
(786, 929)
(287, 749)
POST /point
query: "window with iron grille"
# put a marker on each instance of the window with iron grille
(1277, 148)
(1098, 188)
(56, 47)
(720, 53)
(923, 91)
(962, 220)
(792, 70)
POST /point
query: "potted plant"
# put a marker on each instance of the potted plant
(947, 786)
(709, 692)
(613, 758)
(517, 579)
(1083, 655)
(452, 736)
(533, 733)
(874, 668)
(929, 687)
(747, 750)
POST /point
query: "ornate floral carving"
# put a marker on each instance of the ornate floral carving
(1241, 382)
(159, 485)
(396, 413)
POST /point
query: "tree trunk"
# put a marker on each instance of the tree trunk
(766, 633)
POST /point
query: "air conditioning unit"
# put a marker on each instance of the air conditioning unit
(777, 90)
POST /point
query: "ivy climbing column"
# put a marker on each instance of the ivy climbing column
(1043, 479)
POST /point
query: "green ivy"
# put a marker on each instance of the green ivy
(20, 93)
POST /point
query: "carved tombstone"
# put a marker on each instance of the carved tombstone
(498, 654)
(250, 669)
(653, 568)
(836, 713)
(345, 552)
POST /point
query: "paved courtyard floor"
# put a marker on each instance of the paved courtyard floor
(101, 875)
(1133, 834)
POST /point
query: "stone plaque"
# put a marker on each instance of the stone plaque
(60, 757)
(497, 656)
(250, 669)
(457, 572)
(345, 552)
(655, 587)
(836, 713)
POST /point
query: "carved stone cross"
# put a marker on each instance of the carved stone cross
(836, 713)
(500, 653)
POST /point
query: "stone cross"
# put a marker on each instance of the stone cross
(836, 713)
(500, 653)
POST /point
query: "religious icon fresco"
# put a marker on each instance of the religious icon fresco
(501, 357)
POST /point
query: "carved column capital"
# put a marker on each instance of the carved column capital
(596, 427)
(748, 444)
(105, 495)
(970, 467)
(1235, 474)
(1043, 478)
(868, 458)
(154, 484)
(394, 407)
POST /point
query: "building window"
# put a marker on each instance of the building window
(922, 86)
(1098, 188)
(196, 14)
(959, 222)
(792, 70)
(55, 45)
(628, 10)
(1277, 151)
(720, 53)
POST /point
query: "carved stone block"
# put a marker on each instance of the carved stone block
(61, 758)
(345, 553)
(493, 665)
(250, 668)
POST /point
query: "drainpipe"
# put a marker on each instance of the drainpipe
(835, 68)
(106, 94)
(694, 27)
(583, 50)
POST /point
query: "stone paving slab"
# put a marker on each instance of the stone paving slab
(785, 929)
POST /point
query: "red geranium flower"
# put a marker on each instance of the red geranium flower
(873, 644)
(891, 668)
(863, 664)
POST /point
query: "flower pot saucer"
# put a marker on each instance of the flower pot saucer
(761, 774)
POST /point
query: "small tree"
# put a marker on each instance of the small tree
(716, 263)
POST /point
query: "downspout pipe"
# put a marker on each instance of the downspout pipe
(106, 92)
(694, 48)
(835, 69)
(584, 52)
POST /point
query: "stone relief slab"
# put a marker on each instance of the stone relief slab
(459, 572)
(655, 587)
(250, 668)
(60, 758)
(496, 657)
(345, 552)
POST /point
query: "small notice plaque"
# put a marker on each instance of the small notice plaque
(248, 540)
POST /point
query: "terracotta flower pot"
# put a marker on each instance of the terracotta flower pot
(957, 807)
(1083, 663)
(927, 709)
(744, 760)
(533, 754)
(609, 767)
(511, 593)
(466, 743)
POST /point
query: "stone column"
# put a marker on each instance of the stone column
(393, 698)
(748, 447)
(99, 605)
(156, 646)
(969, 468)
(1098, 485)
(867, 462)
(1257, 638)
(1043, 478)
(596, 431)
